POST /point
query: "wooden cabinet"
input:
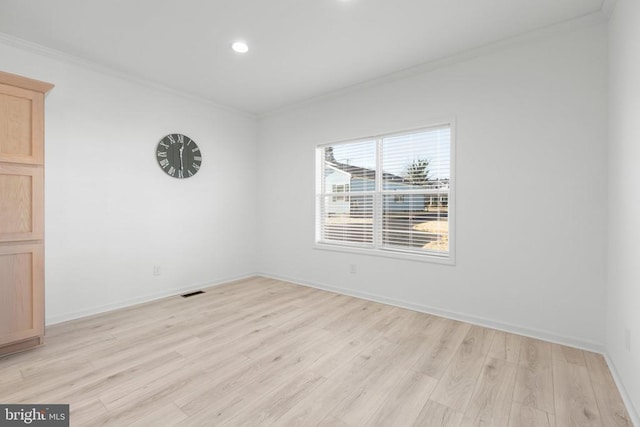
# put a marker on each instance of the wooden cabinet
(21, 212)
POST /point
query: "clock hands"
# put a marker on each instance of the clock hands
(181, 161)
(187, 151)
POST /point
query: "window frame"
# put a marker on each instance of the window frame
(376, 249)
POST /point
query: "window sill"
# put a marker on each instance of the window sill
(385, 253)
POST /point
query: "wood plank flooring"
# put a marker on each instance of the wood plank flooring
(266, 352)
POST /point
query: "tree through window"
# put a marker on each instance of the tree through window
(388, 193)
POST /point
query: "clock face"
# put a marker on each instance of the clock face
(179, 156)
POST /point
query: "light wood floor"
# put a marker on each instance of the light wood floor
(261, 352)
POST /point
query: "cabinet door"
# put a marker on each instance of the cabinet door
(21, 292)
(21, 125)
(21, 212)
(21, 203)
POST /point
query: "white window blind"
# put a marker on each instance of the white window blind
(389, 193)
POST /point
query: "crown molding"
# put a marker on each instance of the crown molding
(594, 18)
(568, 26)
(55, 54)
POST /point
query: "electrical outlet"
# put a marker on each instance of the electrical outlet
(156, 270)
(352, 268)
(627, 339)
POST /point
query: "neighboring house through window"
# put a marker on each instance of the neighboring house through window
(340, 188)
(389, 194)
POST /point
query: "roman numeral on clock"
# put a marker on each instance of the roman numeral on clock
(174, 160)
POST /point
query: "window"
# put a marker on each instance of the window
(388, 194)
(340, 188)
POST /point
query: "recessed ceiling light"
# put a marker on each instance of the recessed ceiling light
(240, 47)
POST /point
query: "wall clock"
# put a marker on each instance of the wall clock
(179, 156)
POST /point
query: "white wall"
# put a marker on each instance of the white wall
(531, 119)
(111, 213)
(531, 122)
(623, 291)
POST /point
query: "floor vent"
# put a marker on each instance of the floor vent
(190, 294)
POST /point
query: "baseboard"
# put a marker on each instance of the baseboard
(143, 299)
(489, 323)
(631, 409)
(480, 321)
(502, 326)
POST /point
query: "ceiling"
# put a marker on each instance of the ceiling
(299, 49)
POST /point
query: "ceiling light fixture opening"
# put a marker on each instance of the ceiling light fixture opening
(240, 47)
